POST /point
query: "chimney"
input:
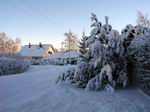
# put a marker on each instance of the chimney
(40, 45)
(29, 45)
(106, 20)
(107, 25)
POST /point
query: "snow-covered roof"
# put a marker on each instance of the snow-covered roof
(34, 50)
(67, 54)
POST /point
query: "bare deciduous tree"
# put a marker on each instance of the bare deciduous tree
(8, 46)
(143, 20)
(71, 41)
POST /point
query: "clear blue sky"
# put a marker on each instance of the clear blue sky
(46, 20)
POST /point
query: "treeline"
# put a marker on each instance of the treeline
(8, 46)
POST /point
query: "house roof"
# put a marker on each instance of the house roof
(35, 50)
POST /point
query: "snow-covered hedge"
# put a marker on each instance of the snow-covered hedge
(55, 61)
(13, 66)
(46, 62)
(139, 52)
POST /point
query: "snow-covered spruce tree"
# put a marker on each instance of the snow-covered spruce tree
(85, 69)
(108, 61)
(83, 48)
(81, 75)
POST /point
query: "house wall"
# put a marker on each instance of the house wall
(46, 53)
(51, 50)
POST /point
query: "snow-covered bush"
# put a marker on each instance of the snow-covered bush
(13, 66)
(66, 76)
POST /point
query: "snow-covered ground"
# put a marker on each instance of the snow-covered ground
(36, 91)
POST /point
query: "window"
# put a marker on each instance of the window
(49, 52)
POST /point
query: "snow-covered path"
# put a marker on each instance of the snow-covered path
(36, 91)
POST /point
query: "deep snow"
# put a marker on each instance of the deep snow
(36, 91)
